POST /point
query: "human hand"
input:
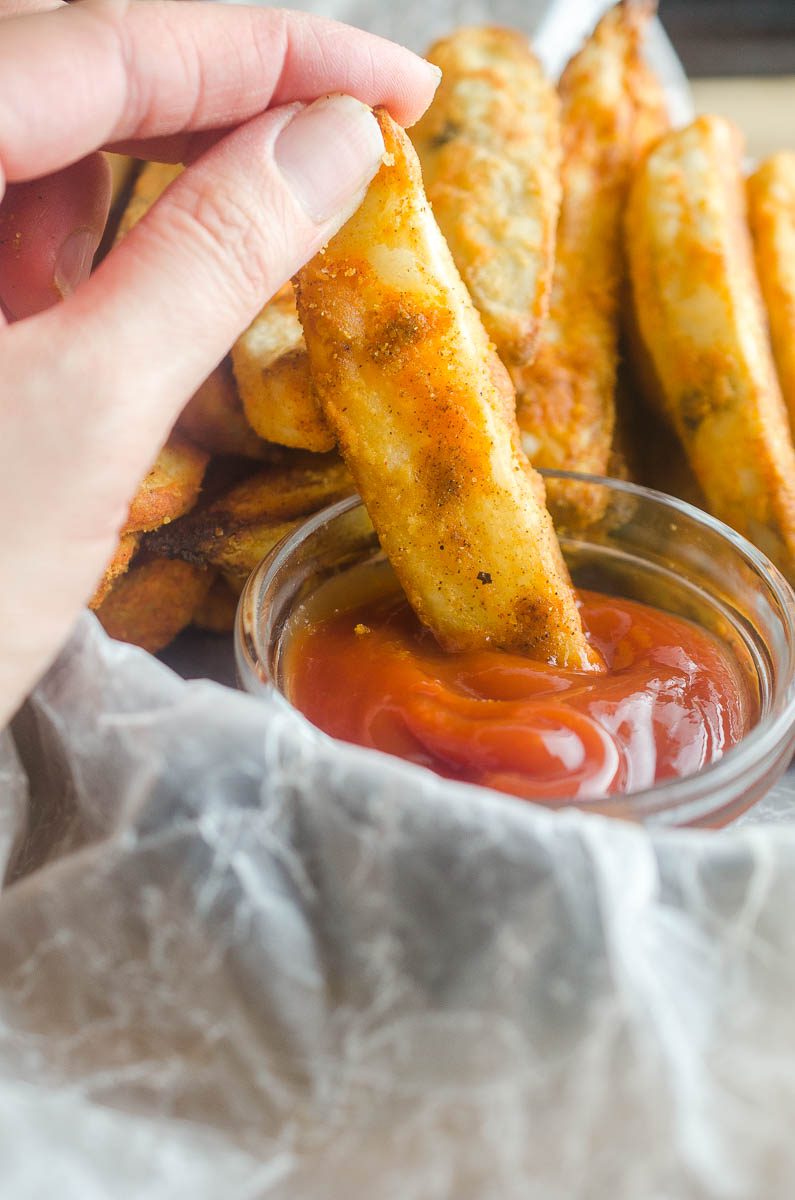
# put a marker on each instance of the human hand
(92, 384)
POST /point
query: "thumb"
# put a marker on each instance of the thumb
(171, 298)
(92, 386)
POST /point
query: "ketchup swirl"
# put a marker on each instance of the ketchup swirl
(671, 701)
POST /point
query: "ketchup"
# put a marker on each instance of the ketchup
(671, 701)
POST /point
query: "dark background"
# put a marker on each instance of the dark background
(732, 37)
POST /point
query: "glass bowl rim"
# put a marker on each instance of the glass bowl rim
(683, 792)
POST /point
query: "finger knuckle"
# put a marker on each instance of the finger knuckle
(230, 227)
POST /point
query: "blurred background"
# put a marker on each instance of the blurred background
(732, 37)
(738, 54)
(740, 57)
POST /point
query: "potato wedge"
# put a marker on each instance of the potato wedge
(122, 557)
(238, 529)
(700, 321)
(154, 601)
(122, 168)
(612, 106)
(771, 213)
(216, 612)
(423, 411)
(213, 419)
(151, 181)
(273, 378)
(489, 148)
(170, 489)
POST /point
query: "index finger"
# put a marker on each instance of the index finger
(98, 72)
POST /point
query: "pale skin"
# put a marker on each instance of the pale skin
(95, 370)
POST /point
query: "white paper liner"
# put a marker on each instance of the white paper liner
(238, 959)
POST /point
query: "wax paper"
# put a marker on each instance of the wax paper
(238, 960)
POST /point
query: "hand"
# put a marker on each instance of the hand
(92, 384)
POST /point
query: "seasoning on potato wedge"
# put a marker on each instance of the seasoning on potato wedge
(423, 411)
(771, 212)
(240, 526)
(701, 328)
(171, 487)
(612, 106)
(154, 601)
(122, 557)
(489, 148)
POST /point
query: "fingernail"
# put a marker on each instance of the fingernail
(73, 263)
(328, 153)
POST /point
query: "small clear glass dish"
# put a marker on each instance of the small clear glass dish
(646, 546)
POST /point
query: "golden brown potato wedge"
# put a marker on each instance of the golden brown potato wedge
(122, 168)
(273, 378)
(649, 448)
(701, 325)
(771, 212)
(122, 173)
(151, 181)
(238, 529)
(216, 612)
(214, 420)
(171, 487)
(154, 601)
(423, 411)
(489, 148)
(612, 106)
(122, 557)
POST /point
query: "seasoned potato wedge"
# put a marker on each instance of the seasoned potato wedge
(272, 372)
(122, 557)
(170, 489)
(489, 148)
(612, 106)
(423, 411)
(154, 601)
(214, 420)
(771, 211)
(701, 327)
(239, 528)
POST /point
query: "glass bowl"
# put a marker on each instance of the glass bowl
(645, 546)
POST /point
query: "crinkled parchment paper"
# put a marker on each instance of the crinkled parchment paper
(239, 961)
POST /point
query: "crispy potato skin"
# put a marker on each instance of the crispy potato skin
(272, 372)
(423, 412)
(612, 107)
(489, 147)
(154, 601)
(239, 528)
(771, 212)
(170, 489)
(698, 312)
(122, 557)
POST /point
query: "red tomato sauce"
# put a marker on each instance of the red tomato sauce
(671, 701)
